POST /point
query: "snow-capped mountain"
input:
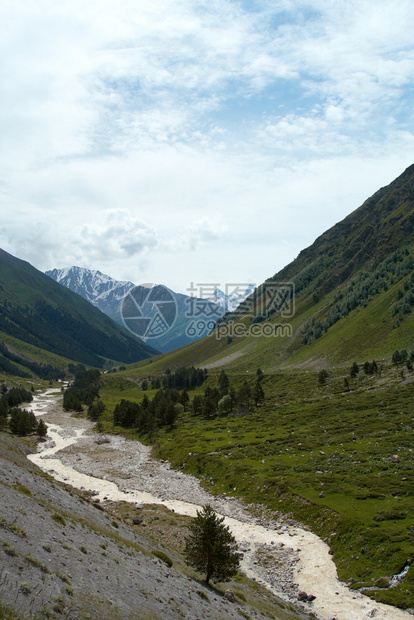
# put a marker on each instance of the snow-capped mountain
(229, 302)
(162, 318)
(98, 288)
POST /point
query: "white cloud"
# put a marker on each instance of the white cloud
(118, 235)
(157, 135)
(197, 235)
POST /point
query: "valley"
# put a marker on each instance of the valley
(115, 469)
(293, 417)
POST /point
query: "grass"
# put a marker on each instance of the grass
(12, 527)
(9, 549)
(164, 557)
(25, 587)
(22, 489)
(33, 353)
(59, 519)
(306, 439)
(7, 613)
(36, 563)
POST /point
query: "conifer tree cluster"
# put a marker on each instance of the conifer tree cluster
(163, 409)
(20, 421)
(225, 398)
(184, 377)
(83, 390)
(149, 415)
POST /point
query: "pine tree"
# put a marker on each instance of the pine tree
(211, 548)
(22, 422)
(244, 395)
(224, 383)
(354, 370)
(184, 398)
(41, 428)
(259, 374)
(258, 393)
(197, 404)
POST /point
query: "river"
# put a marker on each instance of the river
(122, 470)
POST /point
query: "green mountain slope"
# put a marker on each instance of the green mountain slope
(382, 225)
(40, 312)
(354, 296)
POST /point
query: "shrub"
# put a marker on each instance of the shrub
(9, 549)
(59, 519)
(164, 557)
(25, 587)
(323, 375)
(36, 563)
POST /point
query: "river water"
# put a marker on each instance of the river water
(314, 570)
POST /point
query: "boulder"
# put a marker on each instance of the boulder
(229, 596)
(305, 597)
(102, 439)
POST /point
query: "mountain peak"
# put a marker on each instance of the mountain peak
(230, 300)
(90, 284)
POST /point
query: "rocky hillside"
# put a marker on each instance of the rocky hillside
(62, 555)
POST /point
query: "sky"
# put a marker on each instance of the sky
(187, 142)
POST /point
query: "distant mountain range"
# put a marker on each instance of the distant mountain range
(38, 311)
(99, 289)
(167, 320)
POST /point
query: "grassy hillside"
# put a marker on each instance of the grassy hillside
(353, 299)
(38, 311)
(20, 360)
(324, 455)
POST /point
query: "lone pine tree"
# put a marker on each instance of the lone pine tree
(211, 548)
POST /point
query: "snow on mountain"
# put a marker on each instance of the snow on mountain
(229, 302)
(108, 295)
(98, 288)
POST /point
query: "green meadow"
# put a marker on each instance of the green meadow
(338, 461)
